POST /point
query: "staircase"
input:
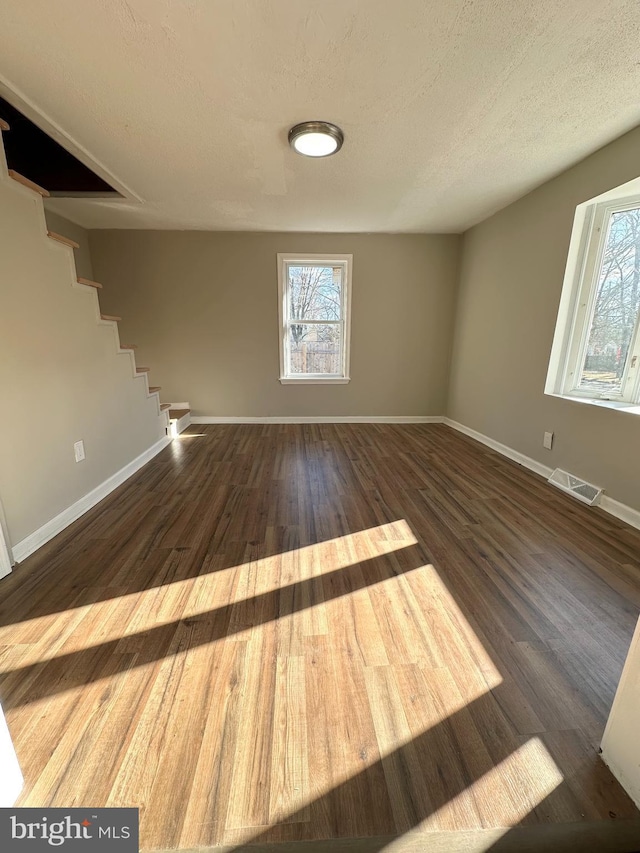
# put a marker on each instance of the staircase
(68, 380)
(174, 420)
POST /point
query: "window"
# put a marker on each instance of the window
(314, 306)
(596, 353)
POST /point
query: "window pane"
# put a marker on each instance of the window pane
(616, 307)
(315, 293)
(315, 348)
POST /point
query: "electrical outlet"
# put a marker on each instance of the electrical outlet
(548, 440)
(78, 450)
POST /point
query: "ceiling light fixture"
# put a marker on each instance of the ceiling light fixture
(316, 138)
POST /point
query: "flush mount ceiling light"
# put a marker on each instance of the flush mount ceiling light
(316, 138)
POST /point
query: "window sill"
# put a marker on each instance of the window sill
(310, 380)
(618, 405)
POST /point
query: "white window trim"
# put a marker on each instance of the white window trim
(321, 378)
(578, 292)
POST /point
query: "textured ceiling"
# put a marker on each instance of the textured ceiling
(451, 108)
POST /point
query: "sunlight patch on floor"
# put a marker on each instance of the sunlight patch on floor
(431, 585)
(506, 794)
(46, 637)
(191, 435)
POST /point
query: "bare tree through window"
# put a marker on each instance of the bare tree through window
(315, 307)
(616, 307)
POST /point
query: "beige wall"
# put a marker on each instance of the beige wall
(202, 307)
(511, 276)
(63, 226)
(61, 377)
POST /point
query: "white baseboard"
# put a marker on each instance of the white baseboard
(503, 449)
(622, 511)
(619, 510)
(41, 536)
(322, 419)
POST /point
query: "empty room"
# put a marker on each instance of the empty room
(319, 469)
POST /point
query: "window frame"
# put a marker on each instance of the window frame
(285, 259)
(580, 288)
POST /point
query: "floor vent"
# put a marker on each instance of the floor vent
(585, 492)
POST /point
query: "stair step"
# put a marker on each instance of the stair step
(143, 369)
(4, 125)
(176, 414)
(153, 389)
(164, 406)
(27, 183)
(66, 240)
(88, 282)
(110, 317)
(128, 346)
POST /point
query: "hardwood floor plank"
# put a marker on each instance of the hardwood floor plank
(187, 718)
(134, 778)
(289, 794)
(408, 790)
(205, 808)
(361, 795)
(249, 793)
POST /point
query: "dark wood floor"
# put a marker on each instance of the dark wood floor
(289, 633)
